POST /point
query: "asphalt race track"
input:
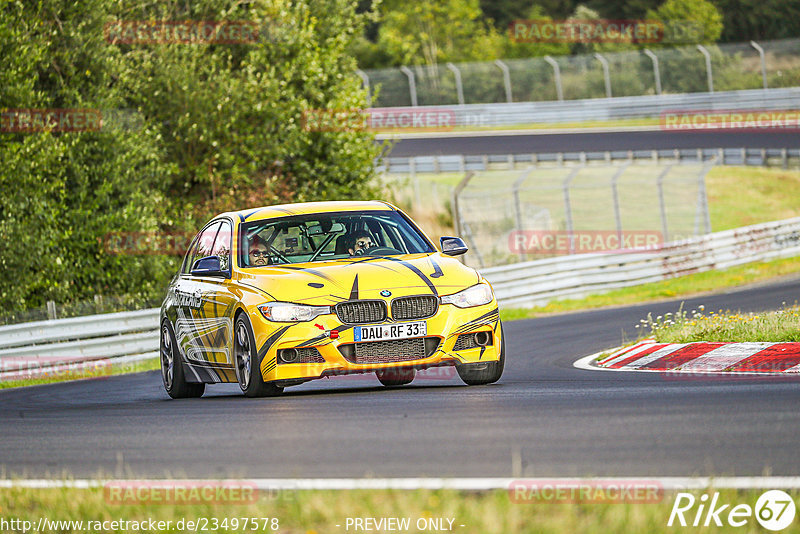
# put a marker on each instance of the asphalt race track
(524, 143)
(561, 421)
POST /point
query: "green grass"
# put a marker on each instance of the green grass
(698, 325)
(312, 512)
(741, 196)
(684, 286)
(90, 374)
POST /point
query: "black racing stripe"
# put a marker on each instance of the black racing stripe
(206, 340)
(354, 289)
(313, 340)
(307, 270)
(437, 271)
(373, 259)
(486, 317)
(251, 212)
(416, 271)
(472, 324)
(271, 341)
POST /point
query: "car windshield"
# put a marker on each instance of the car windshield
(328, 236)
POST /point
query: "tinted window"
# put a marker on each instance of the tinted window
(187, 260)
(205, 242)
(330, 236)
(222, 246)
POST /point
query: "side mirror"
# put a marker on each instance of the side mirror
(453, 246)
(208, 266)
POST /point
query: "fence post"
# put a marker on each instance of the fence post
(763, 61)
(518, 205)
(568, 207)
(506, 79)
(557, 74)
(709, 75)
(51, 310)
(661, 206)
(702, 198)
(412, 167)
(617, 216)
(656, 71)
(457, 191)
(606, 76)
(459, 87)
(365, 80)
(412, 84)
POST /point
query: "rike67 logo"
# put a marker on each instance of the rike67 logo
(774, 510)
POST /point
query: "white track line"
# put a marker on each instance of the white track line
(464, 484)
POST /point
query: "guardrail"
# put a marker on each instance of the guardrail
(537, 282)
(134, 335)
(56, 346)
(609, 109)
(782, 157)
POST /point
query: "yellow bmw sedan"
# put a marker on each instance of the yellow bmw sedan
(277, 296)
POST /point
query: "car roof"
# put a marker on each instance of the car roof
(304, 208)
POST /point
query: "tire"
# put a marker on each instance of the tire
(396, 376)
(172, 375)
(490, 373)
(248, 363)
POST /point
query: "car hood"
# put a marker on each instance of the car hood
(361, 278)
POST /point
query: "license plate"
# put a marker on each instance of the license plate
(383, 332)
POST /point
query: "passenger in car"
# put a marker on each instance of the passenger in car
(258, 251)
(360, 241)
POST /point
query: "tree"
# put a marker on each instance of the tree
(221, 127)
(437, 32)
(700, 13)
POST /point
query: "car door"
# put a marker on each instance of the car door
(219, 302)
(191, 324)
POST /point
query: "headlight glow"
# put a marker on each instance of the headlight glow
(286, 312)
(477, 295)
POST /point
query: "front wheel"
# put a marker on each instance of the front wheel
(396, 376)
(248, 363)
(475, 374)
(172, 370)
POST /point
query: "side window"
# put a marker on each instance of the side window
(222, 246)
(205, 242)
(187, 260)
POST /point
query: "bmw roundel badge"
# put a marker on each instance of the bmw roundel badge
(386, 293)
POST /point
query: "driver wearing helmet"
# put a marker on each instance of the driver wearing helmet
(360, 242)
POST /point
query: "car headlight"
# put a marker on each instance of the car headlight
(286, 312)
(477, 295)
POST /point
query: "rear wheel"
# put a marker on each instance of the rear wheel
(248, 363)
(396, 376)
(475, 374)
(172, 369)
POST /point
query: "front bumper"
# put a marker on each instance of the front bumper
(444, 345)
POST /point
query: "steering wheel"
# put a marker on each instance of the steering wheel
(380, 251)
